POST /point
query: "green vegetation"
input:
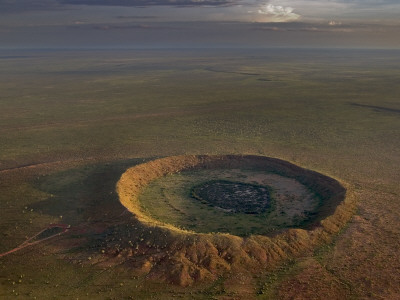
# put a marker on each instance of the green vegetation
(334, 111)
(170, 199)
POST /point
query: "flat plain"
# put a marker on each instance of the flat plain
(73, 121)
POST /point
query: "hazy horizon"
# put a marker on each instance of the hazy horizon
(199, 24)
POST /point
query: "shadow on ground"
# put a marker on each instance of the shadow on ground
(83, 195)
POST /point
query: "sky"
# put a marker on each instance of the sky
(199, 23)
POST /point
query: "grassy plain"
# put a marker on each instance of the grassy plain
(72, 121)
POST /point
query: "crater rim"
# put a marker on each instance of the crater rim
(136, 178)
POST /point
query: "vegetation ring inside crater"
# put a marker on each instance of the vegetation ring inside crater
(230, 200)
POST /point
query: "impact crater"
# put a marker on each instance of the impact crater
(200, 216)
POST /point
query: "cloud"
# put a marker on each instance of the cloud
(16, 6)
(132, 26)
(9, 6)
(145, 3)
(278, 12)
(310, 27)
(369, 2)
(136, 17)
(334, 23)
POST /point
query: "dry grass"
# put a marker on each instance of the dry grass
(333, 111)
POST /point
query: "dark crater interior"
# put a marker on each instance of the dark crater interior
(235, 197)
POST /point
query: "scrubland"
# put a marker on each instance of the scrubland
(71, 122)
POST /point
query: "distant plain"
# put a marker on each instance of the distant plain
(71, 122)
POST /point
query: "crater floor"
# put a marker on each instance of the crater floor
(236, 201)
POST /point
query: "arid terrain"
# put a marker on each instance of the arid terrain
(73, 122)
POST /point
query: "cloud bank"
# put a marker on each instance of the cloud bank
(279, 12)
(151, 2)
(199, 23)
